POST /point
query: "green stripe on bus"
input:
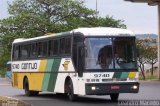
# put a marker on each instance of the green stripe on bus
(124, 75)
(53, 76)
(47, 75)
(117, 75)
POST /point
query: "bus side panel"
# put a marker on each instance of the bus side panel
(65, 70)
(50, 77)
(59, 87)
(36, 79)
(17, 79)
(81, 86)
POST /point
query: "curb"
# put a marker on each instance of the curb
(9, 101)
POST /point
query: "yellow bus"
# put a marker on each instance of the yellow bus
(83, 61)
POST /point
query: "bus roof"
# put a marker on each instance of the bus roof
(96, 31)
(104, 31)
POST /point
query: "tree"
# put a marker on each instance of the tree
(32, 18)
(142, 55)
(147, 54)
(151, 55)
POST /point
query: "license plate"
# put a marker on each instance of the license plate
(115, 87)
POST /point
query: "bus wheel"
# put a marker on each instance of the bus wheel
(114, 97)
(71, 95)
(27, 91)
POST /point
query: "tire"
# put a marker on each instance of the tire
(71, 95)
(114, 97)
(26, 89)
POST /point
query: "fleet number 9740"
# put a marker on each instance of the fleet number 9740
(101, 75)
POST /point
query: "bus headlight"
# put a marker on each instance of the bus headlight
(93, 88)
(135, 87)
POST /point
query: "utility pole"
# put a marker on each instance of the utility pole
(96, 10)
(153, 3)
(159, 38)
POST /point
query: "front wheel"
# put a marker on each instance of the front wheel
(114, 97)
(71, 95)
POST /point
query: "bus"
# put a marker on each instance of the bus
(8, 70)
(83, 61)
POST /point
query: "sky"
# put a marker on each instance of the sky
(139, 17)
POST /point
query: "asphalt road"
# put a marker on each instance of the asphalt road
(149, 91)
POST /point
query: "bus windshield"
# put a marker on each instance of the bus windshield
(110, 53)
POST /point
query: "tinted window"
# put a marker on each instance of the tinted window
(51, 47)
(68, 46)
(33, 50)
(16, 50)
(42, 49)
(24, 51)
(55, 48)
(62, 46)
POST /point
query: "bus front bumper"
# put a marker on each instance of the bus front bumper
(109, 88)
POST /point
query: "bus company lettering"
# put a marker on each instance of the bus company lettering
(29, 66)
(15, 66)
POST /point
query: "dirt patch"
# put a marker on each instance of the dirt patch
(8, 101)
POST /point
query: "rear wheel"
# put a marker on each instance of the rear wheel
(26, 89)
(114, 97)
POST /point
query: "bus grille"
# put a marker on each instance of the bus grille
(114, 79)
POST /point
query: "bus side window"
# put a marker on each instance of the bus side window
(24, 51)
(51, 48)
(33, 50)
(55, 47)
(68, 46)
(16, 52)
(62, 46)
(42, 49)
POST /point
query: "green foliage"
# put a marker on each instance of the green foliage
(149, 78)
(142, 55)
(152, 57)
(147, 54)
(32, 18)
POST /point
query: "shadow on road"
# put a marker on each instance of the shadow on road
(48, 97)
(79, 98)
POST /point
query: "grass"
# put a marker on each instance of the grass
(149, 78)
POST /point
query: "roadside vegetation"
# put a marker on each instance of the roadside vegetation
(32, 18)
(147, 55)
